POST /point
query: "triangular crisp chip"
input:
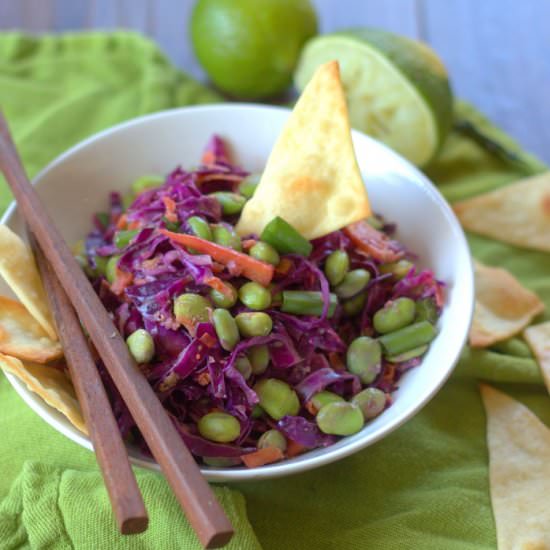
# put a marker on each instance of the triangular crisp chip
(519, 473)
(18, 268)
(311, 179)
(538, 338)
(503, 306)
(50, 383)
(22, 336)
(518, 214)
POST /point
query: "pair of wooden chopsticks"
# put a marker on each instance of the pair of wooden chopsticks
(69, 288)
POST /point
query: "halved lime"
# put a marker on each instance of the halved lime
(397, 88)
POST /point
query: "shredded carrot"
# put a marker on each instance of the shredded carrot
(170, 206)
(219, 176)
(220, 286)
(439, 296)
(284, 266)
(208, 340)
(267, 455)
(373, 242)
(203, 379)
(389, 374)
(249, 243)
(294, 449)
(122, 222)
(255, 270)
(336, 361)
(133, 225)
(122, 281)
(311, 408)
(217, 268)
(208, 157)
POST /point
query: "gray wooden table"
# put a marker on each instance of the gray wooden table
(497, 51)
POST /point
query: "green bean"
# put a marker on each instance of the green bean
(355, 305)
(371, 401)
(513, 346)
(127, 200)
(111, 268)
(394, 315)
(307, 302)
(200, 227)
(426, 310)
(407, 338)
(219, 427)
(285, 239)
(277, 398)
(227, 238)
(141, 346)
(354, 282)
(104, 219)
(231, 202)
(272, 438)
(248, 186)
(265, 253)
(405, 356)
(336, 267)
(123, 238)
(339, 418)
(364, 358)
(101, 265)
(171, 226)
(242, 364)
(319, 400)
(226, 329)
(224, 300)
(254, 324)
(191, 309)
(259, 359)
(255, 296)
(145, 183)
(398, 269)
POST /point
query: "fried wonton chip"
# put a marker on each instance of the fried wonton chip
(503, 306)
(519, 472)
(50, 383)
(18, 268)
(538, 338)
(311, 179)
(518, 214)
(22, 336)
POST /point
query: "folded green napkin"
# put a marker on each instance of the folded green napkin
(424, 486)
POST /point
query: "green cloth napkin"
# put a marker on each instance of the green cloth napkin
(424, 486)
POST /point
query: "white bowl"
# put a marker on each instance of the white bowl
(76, 185)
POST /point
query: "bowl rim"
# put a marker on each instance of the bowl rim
(300, 463)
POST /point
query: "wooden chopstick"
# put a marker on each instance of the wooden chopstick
(109, 448)
(182, 472)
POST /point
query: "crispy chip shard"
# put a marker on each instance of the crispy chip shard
(538, 338)
(51, 384)
(18, 268)
(311, 178)
(503, 306)
(22, 336)
(518, 213)
(519, 472)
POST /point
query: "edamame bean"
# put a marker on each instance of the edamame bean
(354, 282)
(248, 186)
(371, 401)
(254, 324)
(407, 338)
(123, 238)
(319, 400)
(259, 359)
(340, 418)
(398, 269)
(242, 364)
(257, 411)
(226, 329)
(144, 183)
(224, 300)
(364, 358)
(111, 268)
(141, 345)
(307, 302)
(101, 265)
(231, 202)
(224, 237)
(219, 427)
(394, 315)
(336, 267)
(411, 354)
(355, 305)
(272, 438)
(191, 309)
(426, 310)
(200, 227)
(277, 398)
(255, 296)
(265, 253)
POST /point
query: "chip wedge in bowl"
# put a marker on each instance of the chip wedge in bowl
(75, 187)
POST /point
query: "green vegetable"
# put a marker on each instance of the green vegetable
(220, 462)
(426, 310)
(394, 315)
(336, 267)
(123, 238)
(127, 200)
(219, 427)
(354, 282)
(111, 268)
(399, 269)
(405, 356)
(259, 359)
(306, 302)
(364, 358)
(141, 346)
(257, 411)
(277, 398)
(101, 265)
(371, 401)
(200, 228)
(225, 237)
(285, 239)
(265, 253)
(340, 418)
(248, 186)
(191, 309)
(231, 202)
(103, 218)
(513, 346)
(254, 324)
(226, 329)
(407, 338)
(171, 226)
(272, 438)
(242, 364)
(355, 305)
(144, 183)
(223, 300)
(255, 296)
(323, 398)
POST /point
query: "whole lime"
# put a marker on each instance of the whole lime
(249, 48)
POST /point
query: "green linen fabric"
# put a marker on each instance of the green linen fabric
(425, 486)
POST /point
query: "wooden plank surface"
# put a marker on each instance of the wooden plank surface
(497, 51)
